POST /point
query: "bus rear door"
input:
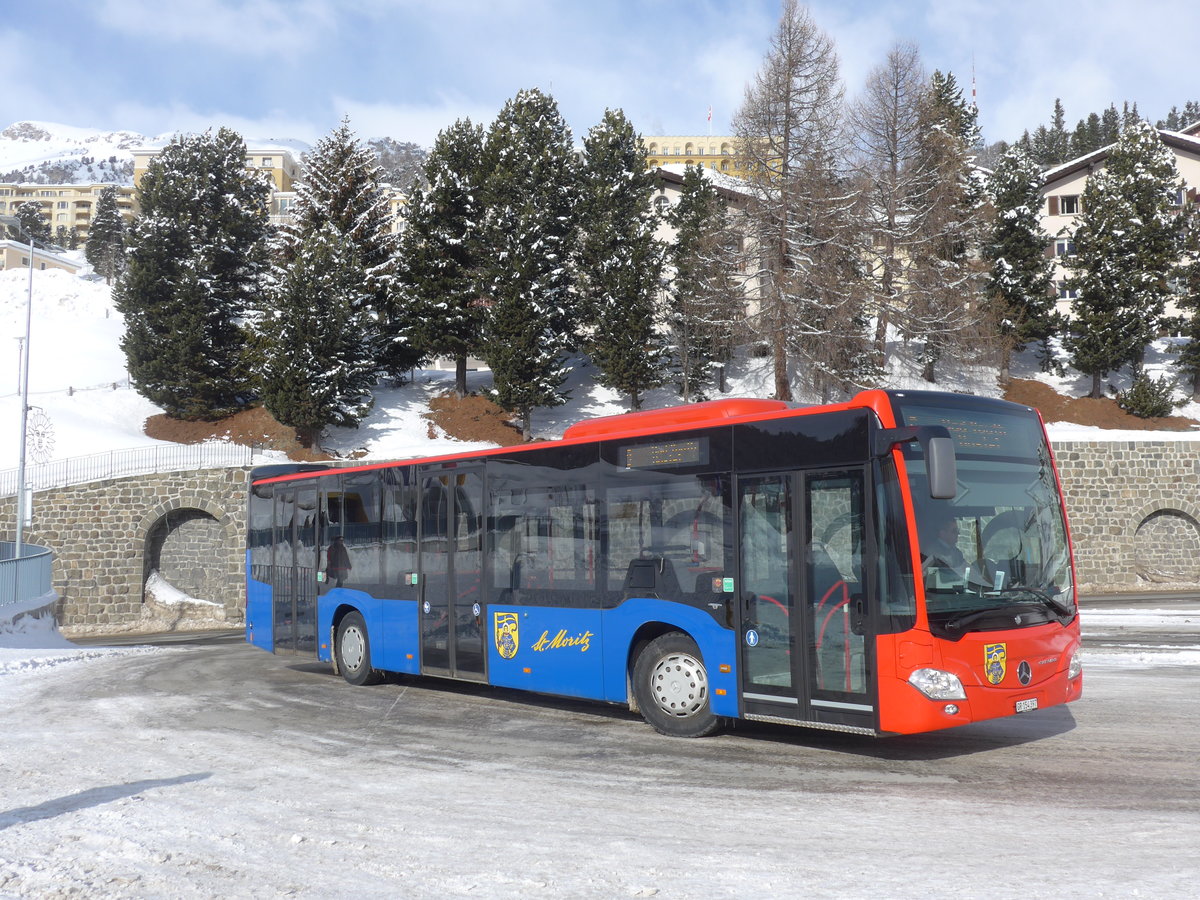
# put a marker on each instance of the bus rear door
(294, 586)
(451, 574)
(806, 654)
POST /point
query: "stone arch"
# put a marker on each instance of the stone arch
(186, 540)
(1165, 541)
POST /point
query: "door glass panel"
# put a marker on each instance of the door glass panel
(307, 550)
(766, 526)
(435, 556)
(283, 571)
(468, 573)
(834, 583)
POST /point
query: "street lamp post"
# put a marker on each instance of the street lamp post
(16, 223)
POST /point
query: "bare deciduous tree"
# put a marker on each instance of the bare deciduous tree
(802, 208)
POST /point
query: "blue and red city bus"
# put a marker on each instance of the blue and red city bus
(897, 563)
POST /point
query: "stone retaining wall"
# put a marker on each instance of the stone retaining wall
(1133, 506)
(1134, 513)
(108, 535)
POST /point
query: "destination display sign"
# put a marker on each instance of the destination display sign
(666, 454)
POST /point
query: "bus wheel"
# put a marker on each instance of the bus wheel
(354, 651)
(671, 687)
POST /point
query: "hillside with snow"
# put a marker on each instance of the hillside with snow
(52, 153)
(78, 384)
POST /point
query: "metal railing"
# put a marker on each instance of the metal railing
(136, 461)
(26, 578)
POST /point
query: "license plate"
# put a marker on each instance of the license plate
(1027, 705)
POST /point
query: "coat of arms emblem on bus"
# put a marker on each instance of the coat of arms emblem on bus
(994, 656)
(506, 634)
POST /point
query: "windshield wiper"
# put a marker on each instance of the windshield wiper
(1061, 608)
(960, 623)
(964, 621)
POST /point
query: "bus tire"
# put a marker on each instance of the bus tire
(354, 651)
(670, 685)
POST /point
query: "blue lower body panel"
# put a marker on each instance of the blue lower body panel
(585, 652)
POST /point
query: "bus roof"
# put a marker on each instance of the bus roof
(709, 413)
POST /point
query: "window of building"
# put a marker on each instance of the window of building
(1069, 204)
(1066, 293)
(1064, 247)
(62, 204)
(266, 161)
(661, 204)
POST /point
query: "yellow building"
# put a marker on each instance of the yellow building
(15, 255)
(712, 151)
(69, 205)
(279, 164)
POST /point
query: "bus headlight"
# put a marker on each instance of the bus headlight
(937, 685)
(1075, 666)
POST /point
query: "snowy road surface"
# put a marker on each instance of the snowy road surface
(221, 771)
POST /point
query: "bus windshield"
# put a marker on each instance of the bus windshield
(996, 556)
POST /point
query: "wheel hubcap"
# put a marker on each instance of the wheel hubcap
(680, 685)
(353, 649)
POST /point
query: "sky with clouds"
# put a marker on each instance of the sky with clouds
(408, 68)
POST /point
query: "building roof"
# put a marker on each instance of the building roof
(38, 253)
(730, 187)
(1187, 140)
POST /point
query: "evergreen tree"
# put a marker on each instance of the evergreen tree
(1171, 122)
(196, 259)
(342, 187)
(1126, 242)
(1060, 141)
(105, 248)
(1190, 114)
(1110, 127)
(1087, 137)
(530, 239)
(1020, 279)
(1188, 299)
(946, 279)
(706, 294)
(440, 252)
(620, 261)
(35, 224)
(320, 367)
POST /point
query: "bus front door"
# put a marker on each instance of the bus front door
(805, 653)
(451, 574)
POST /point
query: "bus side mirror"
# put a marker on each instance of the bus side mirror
(943, 471)
(938, 447)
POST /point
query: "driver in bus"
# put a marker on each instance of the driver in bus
(941, 550)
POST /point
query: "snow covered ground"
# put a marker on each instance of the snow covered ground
(138, 772)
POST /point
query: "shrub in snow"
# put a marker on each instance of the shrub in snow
(1148, 398)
